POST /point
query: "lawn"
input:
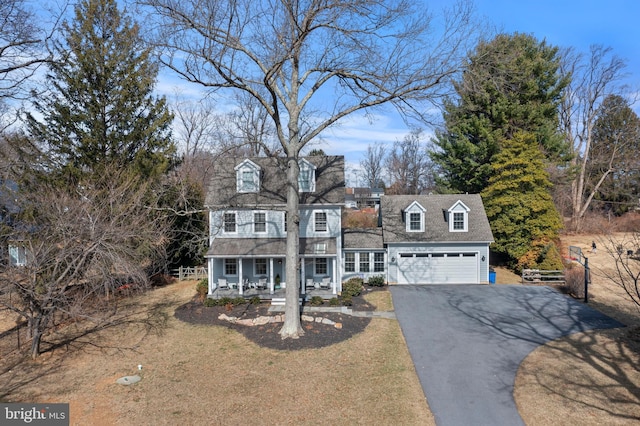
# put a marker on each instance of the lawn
(203, 374)
(194, 374)
(588, 378)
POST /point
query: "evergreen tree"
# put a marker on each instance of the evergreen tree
(517, 200)
(509, 84)
(101, 110)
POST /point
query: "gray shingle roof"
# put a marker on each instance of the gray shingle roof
(221, 189)
(265, 247)
(436, 225)
(362, 238)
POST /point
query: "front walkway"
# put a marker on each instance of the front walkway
(467, 342)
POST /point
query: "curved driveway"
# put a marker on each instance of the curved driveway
(467, 342)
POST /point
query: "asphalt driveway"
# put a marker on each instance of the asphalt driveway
(467, 342)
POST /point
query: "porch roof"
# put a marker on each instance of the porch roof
(269, 247)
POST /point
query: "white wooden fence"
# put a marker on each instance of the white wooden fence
(191, 273)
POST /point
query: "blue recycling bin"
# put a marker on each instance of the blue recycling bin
(492, 276)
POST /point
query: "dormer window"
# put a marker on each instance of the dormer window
(247, 176)
(307, 177)
(459, 217)
(414, 217)
(415, 221)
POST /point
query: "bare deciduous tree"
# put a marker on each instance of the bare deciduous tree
(625, 252)
(80, 246)
(372, 165)
(309, 64)
(409, 165)
(594, 77)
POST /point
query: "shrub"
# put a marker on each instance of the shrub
(202, 288)
(550, 259)
(210, 302)
(574, 277)
(347, 300)
(352, 288)
(334, 301)
(224, 301)
(316, 301)
(376, 281)
(255, 300)
(237, 301)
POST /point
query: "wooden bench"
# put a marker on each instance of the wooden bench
(538, 276)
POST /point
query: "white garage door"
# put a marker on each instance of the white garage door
(438, 268)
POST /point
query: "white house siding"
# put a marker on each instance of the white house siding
(435, 267)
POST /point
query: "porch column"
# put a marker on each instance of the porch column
(210, 274)
(271, 275)
(240, 276)
(335, 275)
(303, 278)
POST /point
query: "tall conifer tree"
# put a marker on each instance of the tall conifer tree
(102, 110)
(509, 84)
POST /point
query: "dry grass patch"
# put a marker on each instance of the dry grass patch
(195, 374)
(588, 378)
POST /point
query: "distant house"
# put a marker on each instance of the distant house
(422, 239)
(365, 197)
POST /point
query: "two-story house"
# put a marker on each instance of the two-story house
(248, 228)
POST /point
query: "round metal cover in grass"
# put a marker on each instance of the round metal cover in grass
(128, 380)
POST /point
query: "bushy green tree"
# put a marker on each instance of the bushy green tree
(517, 200)
(101, 109)
(509, 84)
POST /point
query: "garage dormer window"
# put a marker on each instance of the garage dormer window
(307, 177)
(247, 176)
(459, 217)
(414, 217)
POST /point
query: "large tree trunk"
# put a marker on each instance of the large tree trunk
(36, 338)
(292, 328)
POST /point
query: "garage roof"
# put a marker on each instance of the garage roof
(436, 226)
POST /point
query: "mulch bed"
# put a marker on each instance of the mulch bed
(316, 335)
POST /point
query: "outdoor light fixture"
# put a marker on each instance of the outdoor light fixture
(393, 259)
(483, 258)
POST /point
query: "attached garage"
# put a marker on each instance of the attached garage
(438, 268)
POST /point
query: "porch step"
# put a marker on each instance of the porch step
(279, 301)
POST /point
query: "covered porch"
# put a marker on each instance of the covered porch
(256, 267)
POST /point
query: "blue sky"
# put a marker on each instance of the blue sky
(563, 23)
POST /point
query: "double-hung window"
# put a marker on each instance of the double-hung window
(321, 266)
(229, 222)
(378, 262)
(349, 262)
(231, 267)
(458, 221)
(364, 262)
(320, 221)
(259, 222)
(260, 267)
(415, 221)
